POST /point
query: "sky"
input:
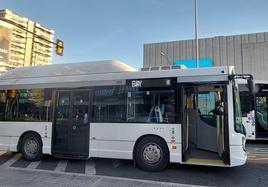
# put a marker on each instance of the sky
(117, 29)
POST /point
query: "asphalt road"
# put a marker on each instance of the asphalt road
(253, 173)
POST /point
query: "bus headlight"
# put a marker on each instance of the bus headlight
(244, 143)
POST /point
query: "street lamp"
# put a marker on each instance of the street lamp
(163, 54)
(196, 34)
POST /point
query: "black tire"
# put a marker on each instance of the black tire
(34, 152)
(159, 148)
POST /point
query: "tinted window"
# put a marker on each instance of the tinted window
(3, 97)
(134, 103)
(80, 106)
(237, 109)
(247, 102)
(28, 105)
(63, 106)
(109, 104)
(206, 103)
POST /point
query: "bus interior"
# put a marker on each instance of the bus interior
(254, 110)
(205, 125)
(261, 111)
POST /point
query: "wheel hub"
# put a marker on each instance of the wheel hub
(31, 147)
(152, 153)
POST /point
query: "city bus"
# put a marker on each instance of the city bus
(254, 109)
(107, 109)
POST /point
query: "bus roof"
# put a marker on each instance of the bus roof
(244, 81)
(260, 81)
(98, 73)
(80, 68)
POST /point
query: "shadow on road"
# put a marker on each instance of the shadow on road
(251, 174)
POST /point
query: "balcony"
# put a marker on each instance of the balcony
(18, 49)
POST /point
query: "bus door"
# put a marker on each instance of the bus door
(71, 124)
(261, 115)
(183, 120)
(205, 121)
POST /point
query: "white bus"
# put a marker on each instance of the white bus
(254, 109)
(107, 109)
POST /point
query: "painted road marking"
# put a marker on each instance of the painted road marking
(257, 154)
(2, 152)
(33, 165)
(12, 160)
(21, 163)
(5, 157)
(48, 163)
(61, 166)
(102, 177)
(76, 166)
(258, 159)
(90, 167)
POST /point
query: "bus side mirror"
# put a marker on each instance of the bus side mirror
(251, 86)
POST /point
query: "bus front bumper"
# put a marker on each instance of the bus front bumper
(238, 155)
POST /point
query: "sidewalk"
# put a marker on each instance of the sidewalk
(13, 177)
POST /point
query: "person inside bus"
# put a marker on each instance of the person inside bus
(81, 115)
(218, 110)
(168, 111)
(85, 119)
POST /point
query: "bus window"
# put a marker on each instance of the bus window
(28, 105)
(261, 113)
(109, 104)
(151, 106)
(3, 97)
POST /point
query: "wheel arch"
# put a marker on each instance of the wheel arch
(25, 133)
(148, 135)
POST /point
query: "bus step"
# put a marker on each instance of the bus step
(204, 161)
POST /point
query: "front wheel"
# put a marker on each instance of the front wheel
(152, 154)
(31, 147)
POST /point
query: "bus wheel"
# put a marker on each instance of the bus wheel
(152, 154)
(31, 147)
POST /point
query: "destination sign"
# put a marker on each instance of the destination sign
(142, 83)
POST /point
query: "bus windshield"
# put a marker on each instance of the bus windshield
(237, 110)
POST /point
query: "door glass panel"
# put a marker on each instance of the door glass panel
(206, 103)
(61, 121)
(210, 101)
(261, 113)
(80, 107)
(63, 106)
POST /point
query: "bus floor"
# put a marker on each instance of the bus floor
(196, 155)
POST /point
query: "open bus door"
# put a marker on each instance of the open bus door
(204, 123)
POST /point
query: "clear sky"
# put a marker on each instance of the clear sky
(117, 29)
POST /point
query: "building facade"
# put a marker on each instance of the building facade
(247, 52)
(5, 35)
(26, 47)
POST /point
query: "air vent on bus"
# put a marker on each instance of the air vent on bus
(157, 68)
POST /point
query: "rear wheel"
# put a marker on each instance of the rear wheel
(152, 154)
(31, 147)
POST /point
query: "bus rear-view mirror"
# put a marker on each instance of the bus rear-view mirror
(251, 85)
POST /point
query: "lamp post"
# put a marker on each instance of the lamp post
(196, 34)
(164, 55)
